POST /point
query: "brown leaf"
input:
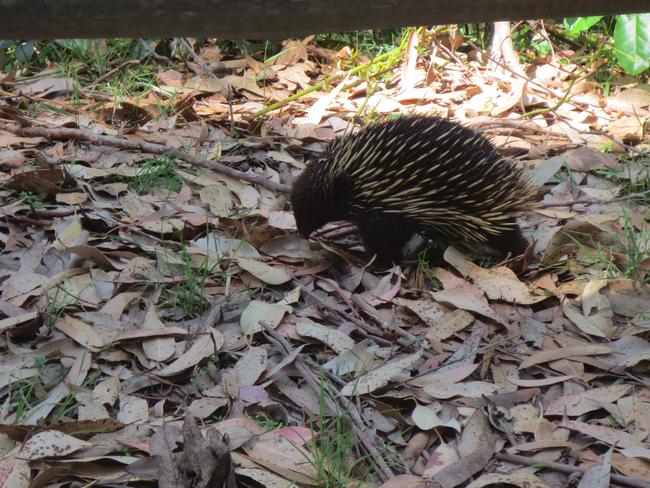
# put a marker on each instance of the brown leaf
(563, 352)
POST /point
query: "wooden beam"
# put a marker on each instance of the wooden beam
(270, 19)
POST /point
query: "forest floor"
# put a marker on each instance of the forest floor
(162, 322)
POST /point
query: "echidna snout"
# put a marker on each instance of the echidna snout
(313, 204)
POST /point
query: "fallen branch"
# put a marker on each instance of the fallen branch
(565, 468)
(149, 147)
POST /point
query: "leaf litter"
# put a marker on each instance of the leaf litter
(162, 323)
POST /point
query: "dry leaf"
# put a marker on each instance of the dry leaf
(497, 283)
(468, 298)
(264, 272)
(51, 444)
(380, 377)
(257, 312)
(561, 353)
(205, 346)
(338, 341)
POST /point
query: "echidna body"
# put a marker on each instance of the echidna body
(415, 174)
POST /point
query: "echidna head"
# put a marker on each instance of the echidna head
(313, 200)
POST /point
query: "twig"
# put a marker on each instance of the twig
(210, 72)
(152, 52)
(86, 135)
(332, 377)
(559, 33)
(575, 100)
(197, 59)
(376, 333)
(110, 73)
(548, 39)
(489, 123)
(359, 427)
(27, 220)
(55, 213)
(120, 225)
(405, 338)
(565, 468)
(593, 201)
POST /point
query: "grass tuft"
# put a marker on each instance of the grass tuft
(157, 173)
(189, 294)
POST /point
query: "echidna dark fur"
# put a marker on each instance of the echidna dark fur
(415, 174)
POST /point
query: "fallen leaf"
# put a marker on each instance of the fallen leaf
(51, 444)
(380, 377)
(497, 283)
(205, 346)
(562, 353)
(264, 272)
(258, 311)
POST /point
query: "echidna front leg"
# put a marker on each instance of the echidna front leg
(510, 241)
(384, 239)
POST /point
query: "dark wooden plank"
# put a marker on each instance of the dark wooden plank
(269, 19)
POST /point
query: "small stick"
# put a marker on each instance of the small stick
(206, 68)
(565, 468)
(28, 221)
(376, 333)
(119, 225)
(592, 201)
(55, 213)
(405, 338)
(332, 377)
(110, 73)
(521, 76)
(197, 59)
(88, 136)
(152, 52)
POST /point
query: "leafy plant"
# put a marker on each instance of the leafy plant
(69, 403)
(34, 200)
(22, 396)
(267, 423)
(425, 267)
(120, 64)
(21, 52)
(577, 25)
(632, 42)
(374, 42)
(636, 247)
(634, 180)
(626, 257)
(631, 39)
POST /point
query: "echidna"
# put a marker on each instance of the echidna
(415, 174)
